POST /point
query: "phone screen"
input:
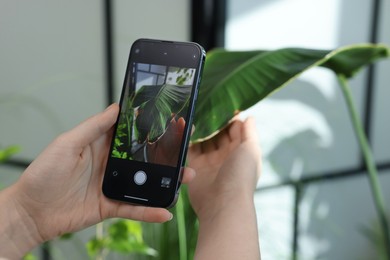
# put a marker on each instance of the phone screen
(152, 132)
(153, 113)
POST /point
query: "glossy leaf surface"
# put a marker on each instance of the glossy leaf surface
(157, 105)
(235, 81)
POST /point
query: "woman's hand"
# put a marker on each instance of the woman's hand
(60, 191)
(227, 170)
(227, 166)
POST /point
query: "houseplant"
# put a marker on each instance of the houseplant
(241, 79)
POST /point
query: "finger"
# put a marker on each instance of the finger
(223, 139)
(188, 175)
(194, 150)
(141, 213)
(235, 131)
(170, 135)
(92, 128)
(181, 123)
(209, 145)
(249, 130)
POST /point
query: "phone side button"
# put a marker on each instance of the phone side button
(140, 177)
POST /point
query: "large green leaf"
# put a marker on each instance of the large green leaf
(235, 81)
(157, 104)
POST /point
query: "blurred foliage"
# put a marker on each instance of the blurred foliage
(122, 236)
(30, 256)
(7, 152)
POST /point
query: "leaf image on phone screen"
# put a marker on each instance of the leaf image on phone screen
(151, 123)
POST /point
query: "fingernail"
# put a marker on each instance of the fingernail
(170, 217)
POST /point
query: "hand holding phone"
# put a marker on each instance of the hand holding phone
(152, 132)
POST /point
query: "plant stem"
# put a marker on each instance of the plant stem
(181, 228)
(164, 247)
(369, 161)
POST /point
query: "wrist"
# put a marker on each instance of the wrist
(223, 205)
(232, 226)
(18, 231)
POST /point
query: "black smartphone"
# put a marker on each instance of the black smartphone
(152, 132)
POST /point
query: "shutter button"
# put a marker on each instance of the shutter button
(140, 177)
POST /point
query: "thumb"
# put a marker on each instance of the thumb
(95, 126)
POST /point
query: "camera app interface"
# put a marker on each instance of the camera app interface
(153, 113)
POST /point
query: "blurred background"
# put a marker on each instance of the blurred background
(63, 61)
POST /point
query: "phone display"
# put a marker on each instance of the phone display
(153, 128)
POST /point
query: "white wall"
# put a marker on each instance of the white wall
(305, 128)
(51, 69)
(169, 20)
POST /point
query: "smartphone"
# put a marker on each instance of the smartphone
(152, 132)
